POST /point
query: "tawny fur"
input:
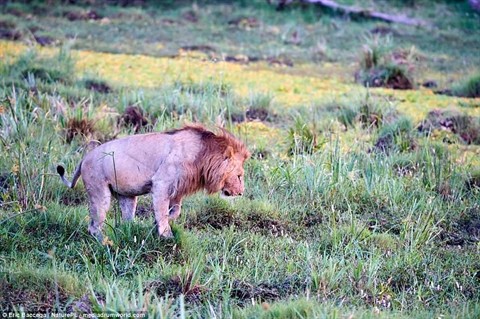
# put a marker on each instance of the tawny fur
(169, 165)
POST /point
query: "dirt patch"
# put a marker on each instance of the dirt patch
(134, 117)
(169, 22)
(263, 291)
(31, 299)
(98, 86)
(387, 143)
(215, 217)
(381, 67)
(239, 58)
(260, 114)
(244, 59)
(312, 219)
(202, 48)
(8, 31)
(82, 305)
(44, 40)
(219, 215)
(175, 287)
(254, 114)
(247, 291)
(464, 126)
(74, 199)
(12, 35)
(384, 144)
(7, 25)
(191, 16)
(473, 182)
(383, 30)
(465, 229)
(245, 22)
(280, 61)
(393, 78)
(82, 15)
(265, 225)
(144, 211)
(430, 84)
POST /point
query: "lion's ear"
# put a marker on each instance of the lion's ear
(228, 154)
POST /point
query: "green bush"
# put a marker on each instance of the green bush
(470, 88)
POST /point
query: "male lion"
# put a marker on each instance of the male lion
(169, 165)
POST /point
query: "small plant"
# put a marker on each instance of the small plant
(79, 127)
(382, 67)
(256, 107)
(396, 136)
(469, 88)
(259, 107)
(133, 117)
(347, 116)
(303, 139)
(370, 116)
(97, 85)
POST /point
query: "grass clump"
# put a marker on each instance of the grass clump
(397, 136)
(257, 107)
(441, 122)
(303, 139)
(30, 70)
(382, 67)
(40, 289)
(470, 88)
(97, 85)
(134, 117)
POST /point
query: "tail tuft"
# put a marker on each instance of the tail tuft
(60, 170)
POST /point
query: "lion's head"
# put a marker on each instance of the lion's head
(223, 160)
(233, 179)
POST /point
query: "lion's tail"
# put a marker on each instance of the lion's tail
(76, 175)
(78, 171)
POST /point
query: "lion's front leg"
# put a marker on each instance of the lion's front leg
(161, 204)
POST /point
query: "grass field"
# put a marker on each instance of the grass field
(360, 202)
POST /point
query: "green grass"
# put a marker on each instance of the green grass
(331, 225)
(470, 88)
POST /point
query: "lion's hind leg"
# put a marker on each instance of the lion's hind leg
(100, 198)
(128, 206)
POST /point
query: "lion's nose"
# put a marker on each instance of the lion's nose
(240, 194)
(226, 193)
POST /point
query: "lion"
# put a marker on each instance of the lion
(169, 165)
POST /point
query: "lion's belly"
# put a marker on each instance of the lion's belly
(128, 184)
(129, 178)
